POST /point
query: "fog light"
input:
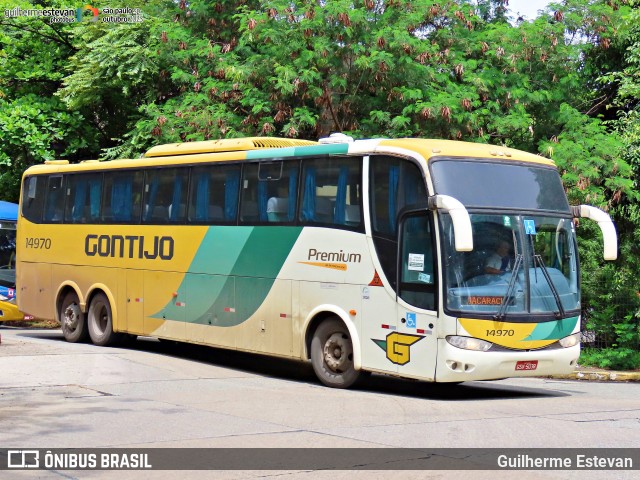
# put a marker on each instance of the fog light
(469, 343)
(570, 341)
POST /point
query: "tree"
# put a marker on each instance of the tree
(34, 125)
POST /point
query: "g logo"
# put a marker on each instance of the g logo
(397, 345)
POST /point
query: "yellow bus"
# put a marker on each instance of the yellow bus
(360, 256)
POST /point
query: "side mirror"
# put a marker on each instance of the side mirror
(609, 236)
(459, 217)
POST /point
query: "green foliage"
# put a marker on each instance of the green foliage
(34, 129)
(611, 358)
(590, 160)
(34, 125)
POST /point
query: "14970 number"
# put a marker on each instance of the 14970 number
(500, 333)
(35, 242)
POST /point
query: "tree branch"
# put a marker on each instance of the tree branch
(330, 104)
(596, 107)
(58, 39)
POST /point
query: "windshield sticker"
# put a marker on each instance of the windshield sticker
(424, 277)
(506, 221)
(416, 262)
(530, 227)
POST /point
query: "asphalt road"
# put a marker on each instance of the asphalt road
(152, 394)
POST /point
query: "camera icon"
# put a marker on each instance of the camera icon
(23, 459)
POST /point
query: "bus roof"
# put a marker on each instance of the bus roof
(430, 148)
(224, 145)
(253, 148)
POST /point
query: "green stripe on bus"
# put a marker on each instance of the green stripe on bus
(338, 148)
(553, 330)
(241, 265)
(271, 153)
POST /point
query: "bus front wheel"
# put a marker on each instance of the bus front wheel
(100, 321)
(332, 354)
(72, 321)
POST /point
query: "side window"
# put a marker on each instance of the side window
(332, 191)
(84, 192)
(54, 201)
(33, 193)
(214, 194)
(417, 274)
(396, 184)
(269, 192)
(122, 197)
(165, 195)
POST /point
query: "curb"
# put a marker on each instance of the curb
(600, 376)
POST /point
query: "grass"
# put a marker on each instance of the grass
(32, 323)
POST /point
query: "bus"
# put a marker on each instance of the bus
(358, 256)
(8, 218)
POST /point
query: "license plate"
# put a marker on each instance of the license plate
(527, 365)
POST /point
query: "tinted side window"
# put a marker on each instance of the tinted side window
(281, 185)
(395, 185)
(269, 192)
(165, 195)
(122, 197)
(254, 195)
(331, 191)
(417, 274)
(214, 194)
(54, 202)
(84, 192)
(33, 193)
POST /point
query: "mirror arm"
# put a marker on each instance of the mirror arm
(460, 218)
(609, 236)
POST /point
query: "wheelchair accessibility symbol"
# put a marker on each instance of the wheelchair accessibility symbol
(530, 227)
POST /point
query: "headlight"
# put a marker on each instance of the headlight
(469, 343)
(570, 341)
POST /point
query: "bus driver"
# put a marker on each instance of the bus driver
(499, 261)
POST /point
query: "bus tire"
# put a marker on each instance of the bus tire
(72, 319)
(332, 354)
(100, 321)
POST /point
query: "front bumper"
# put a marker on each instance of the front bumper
(458, 365)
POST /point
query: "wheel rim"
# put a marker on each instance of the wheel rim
(71, 317)
(337, 353)
(101, 317)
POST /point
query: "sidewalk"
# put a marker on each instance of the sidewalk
(600, 375)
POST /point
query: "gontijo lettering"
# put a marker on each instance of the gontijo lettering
(129, 246)
(340, 256)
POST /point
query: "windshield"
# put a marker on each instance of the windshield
(481, 183)
(520, 265)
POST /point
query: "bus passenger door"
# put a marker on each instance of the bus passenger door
(415, 342)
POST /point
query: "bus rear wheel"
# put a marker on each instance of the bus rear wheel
(72, 321)
(100, 321)
(332, 354)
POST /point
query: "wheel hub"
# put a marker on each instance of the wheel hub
(72, 316)
(337, 352)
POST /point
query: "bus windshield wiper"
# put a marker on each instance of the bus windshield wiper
(538, 259)
(512, 283)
